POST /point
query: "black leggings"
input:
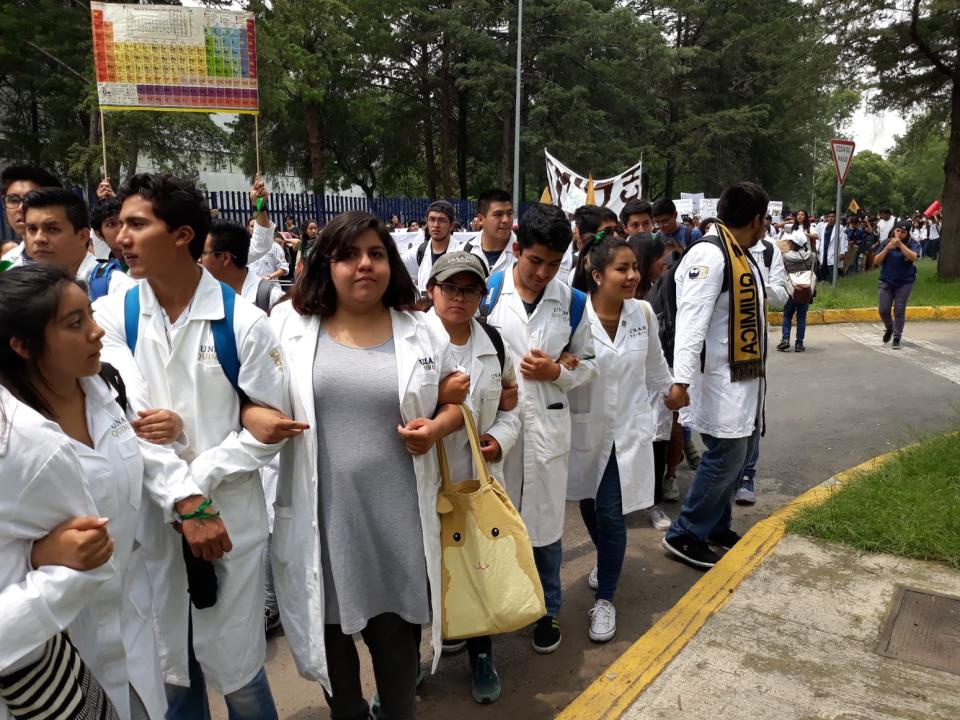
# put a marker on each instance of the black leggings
(659, 468)
(394, 649)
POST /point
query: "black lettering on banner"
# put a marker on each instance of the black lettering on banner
(749, 322)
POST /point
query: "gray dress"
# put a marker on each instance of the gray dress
(370, 534)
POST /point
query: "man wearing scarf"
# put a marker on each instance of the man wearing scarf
(720, 355)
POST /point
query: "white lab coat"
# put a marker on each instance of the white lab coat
(272, 261)
(251, 283)
(295, 550)
(114, 634)
(774, 279)
(885, 227)
(184, 375)
(718, 407)
(631, 370)
(486, 384)
(420, 272)
(536, 469)
(503, 263)
(43, 485)
(821, 244)
(261, 242)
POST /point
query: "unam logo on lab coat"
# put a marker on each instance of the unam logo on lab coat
(698, 272)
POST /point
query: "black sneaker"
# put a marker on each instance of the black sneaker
(896, 344)
(692, 551)
(798, 347)
(784, 346)
(887, 334)
(546, 635)
(725, 539)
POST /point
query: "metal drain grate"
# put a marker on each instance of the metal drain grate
(923, 628)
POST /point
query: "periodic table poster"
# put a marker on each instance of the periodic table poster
(167, 57)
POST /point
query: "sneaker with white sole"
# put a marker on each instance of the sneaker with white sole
(603, 621)
(692, 551)
(452, 647)
(658, 518)
(671, 490)
(593, 579)
(746, 494)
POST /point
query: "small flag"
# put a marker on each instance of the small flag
(853, 207)
(5, 265)
(545, 197)
(591, 196)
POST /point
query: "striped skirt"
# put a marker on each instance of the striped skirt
(58, 686)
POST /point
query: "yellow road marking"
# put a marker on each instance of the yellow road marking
(618, 687)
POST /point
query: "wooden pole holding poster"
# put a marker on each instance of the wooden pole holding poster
(103, 145)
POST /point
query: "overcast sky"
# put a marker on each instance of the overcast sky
(876, 131)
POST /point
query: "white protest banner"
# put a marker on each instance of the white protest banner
(775, 208)
(569, 189)
(684, 207)
(708, 208)
(695, 198)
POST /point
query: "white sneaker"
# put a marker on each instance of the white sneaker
(671, 491)
(603, 621)
(592, 580)
(658, 518)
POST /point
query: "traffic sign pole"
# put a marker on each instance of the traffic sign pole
(842, 151)
(836, 234)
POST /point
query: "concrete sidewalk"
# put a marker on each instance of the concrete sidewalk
(798, 640)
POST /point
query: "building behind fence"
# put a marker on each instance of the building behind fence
(304, 207)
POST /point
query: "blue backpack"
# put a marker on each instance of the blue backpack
(578, 302)
(98, 284)
(224, 341)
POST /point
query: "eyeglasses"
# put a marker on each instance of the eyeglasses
(452, 292)
(13, 201)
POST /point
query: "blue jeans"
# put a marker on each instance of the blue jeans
(706, 508)
(254, 701)
(788, 311)
(750, 469)
(604, 520)
(548, 559)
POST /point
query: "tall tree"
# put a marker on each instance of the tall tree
(914, 51)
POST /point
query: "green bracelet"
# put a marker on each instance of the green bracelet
(201, 512)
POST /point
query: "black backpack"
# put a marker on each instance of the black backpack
(496, 339)
(422, 250)
(663, 299)
(264, 290)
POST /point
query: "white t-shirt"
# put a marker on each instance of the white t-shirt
(462, 355)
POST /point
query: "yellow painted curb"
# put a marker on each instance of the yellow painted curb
(832, 316)
(614, 692)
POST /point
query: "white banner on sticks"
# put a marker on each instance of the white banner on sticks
(708, 208)
(569, 189)
(695, 198)
(684, 207)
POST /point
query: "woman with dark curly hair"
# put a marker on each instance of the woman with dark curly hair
(356, 546)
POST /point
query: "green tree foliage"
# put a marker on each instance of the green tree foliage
(918, 155)
(914, 50)
(873, 181)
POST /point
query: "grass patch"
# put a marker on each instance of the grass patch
(860, 290)
(910, 506)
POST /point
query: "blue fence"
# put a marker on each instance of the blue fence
(304, 207)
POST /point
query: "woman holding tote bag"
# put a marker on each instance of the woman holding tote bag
(455, 287)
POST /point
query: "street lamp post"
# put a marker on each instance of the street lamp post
(516, 118)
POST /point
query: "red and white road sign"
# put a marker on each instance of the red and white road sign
(842, 151)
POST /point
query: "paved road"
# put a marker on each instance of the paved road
(845, 400)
